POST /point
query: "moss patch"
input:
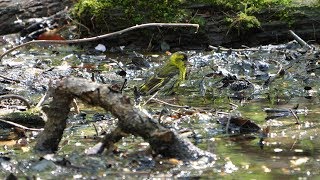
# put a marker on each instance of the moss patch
(109, 15)
(103, 16)
(30, 118)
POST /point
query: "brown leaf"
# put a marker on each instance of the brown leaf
(50, 35)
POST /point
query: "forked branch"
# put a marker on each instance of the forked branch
(130, 121)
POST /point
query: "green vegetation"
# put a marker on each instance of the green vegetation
(243, 21)
(109, 15)
(243, 17)
(26, 118)
(103, 15)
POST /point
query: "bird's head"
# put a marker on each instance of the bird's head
(179, 59)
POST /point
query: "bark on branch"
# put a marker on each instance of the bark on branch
(130, 120)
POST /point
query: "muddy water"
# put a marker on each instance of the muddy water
(288, 150)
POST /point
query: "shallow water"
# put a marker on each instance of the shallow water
(288, 150)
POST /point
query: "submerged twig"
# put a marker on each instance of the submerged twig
(102, 36)
(166, 103)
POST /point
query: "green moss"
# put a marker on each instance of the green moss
(102, 16)
(110, 15)
(243, 22)
(31, 117)
(241, 14)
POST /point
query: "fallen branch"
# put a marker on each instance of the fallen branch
(13, 96)
(20, 126)
(220, 48)
(130, 121)
(101, 36)
(300, 40)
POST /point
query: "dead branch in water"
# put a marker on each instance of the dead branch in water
(300, 40)
(101, 36)
(130, 121)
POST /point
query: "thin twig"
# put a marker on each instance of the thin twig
(280, 68)
(96, 129)
(295, 116)
(162, 113)
(294, 143)
(150, 98)
(75, 106)
(228, 123)
(20, 126)
(235, 50)
(78, 23)
(102, 36)
(42, 100)
(118, 64)
(9, 79)
(172, 105)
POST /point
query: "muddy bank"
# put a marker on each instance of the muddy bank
(217, 31)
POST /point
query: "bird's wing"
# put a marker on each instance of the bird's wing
(167, 71)
(153, 84)
(159, 79)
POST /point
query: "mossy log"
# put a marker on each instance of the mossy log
(130, 120)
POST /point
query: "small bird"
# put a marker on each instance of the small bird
(177, 64)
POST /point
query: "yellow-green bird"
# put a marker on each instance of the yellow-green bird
(176, 65)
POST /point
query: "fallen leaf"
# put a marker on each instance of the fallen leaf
(174, 161)
(50, 35)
